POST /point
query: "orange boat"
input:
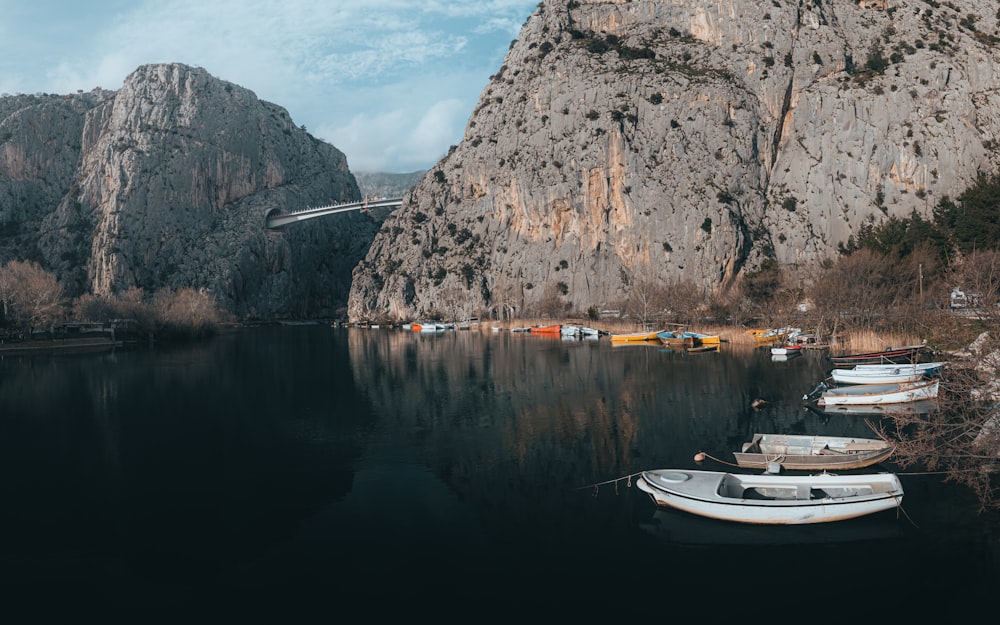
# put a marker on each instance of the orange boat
(547, 330)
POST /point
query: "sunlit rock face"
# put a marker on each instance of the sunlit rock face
(664, 140)
(167, 182)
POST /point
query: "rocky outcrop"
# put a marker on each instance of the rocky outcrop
(167, 183)
(664, 140)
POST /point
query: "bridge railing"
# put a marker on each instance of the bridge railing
(276, 220)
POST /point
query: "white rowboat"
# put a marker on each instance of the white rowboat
(772, 499)
(880, 393)
(881, 376)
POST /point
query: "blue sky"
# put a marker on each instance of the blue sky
(391, 83)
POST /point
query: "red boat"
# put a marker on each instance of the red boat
(900, 355)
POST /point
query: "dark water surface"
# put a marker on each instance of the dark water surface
(308, 473)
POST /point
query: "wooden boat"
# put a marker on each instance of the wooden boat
(774, 335)
(687, 338)
(803, 452)
(551, 330)
(887, 375)
(772, 499)
(635, 337)
(705, 339)
(900, 355)
(672, 338)
(900, 392)
(697, 349)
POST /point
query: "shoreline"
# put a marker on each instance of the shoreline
(36, 346)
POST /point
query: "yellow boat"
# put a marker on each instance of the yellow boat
(635, 337)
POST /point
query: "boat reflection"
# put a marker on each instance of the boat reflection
(674, 526)
(921, 406)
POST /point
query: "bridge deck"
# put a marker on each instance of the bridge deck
(281, 219)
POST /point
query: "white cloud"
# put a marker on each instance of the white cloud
(367, 61)
(390, 141)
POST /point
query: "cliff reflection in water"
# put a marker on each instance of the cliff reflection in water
(515, 412)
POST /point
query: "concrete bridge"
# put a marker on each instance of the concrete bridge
(277, 219)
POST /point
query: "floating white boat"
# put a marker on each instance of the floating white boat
(786, 350)
(876, 376)
(772, 499)
(901, 392)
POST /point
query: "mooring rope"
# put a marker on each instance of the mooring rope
(719, 461)
(627, 478)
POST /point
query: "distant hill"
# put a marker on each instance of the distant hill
(387, 185)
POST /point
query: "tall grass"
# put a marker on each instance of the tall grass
(858, 341)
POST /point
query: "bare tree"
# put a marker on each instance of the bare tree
(647, 300)
(961, 439)
(186, 310)
(31, 296)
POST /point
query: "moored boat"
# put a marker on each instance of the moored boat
(428, 327)
(900, 392)
(803, 452)
(551, 330)
(686, 338)
(635, 337)
(929, 368)
(774, 335)
(772, 499)
(786, 350)
(899, 355)
(697, 349)
(880, 376)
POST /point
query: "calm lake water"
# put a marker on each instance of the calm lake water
(373, 475)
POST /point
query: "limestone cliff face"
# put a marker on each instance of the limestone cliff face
(657, 140)
(166, 183)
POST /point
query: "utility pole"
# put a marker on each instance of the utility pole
(920, 274)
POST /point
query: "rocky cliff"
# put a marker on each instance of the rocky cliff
(662, 140)
(166, 182)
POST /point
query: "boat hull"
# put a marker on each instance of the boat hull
(812, 453)
(887, 376)
(635, 337)
(902, 355)
(903, 392)
(800, 499)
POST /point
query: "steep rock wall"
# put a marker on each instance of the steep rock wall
(667, 140)
(166, 183)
